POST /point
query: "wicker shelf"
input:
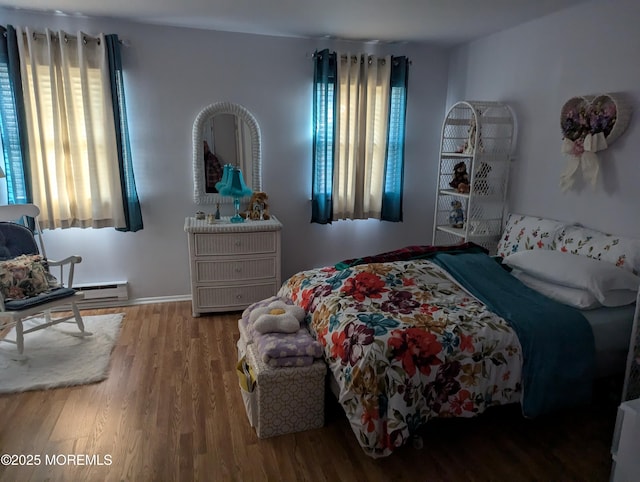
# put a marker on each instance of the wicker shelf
(480, 134)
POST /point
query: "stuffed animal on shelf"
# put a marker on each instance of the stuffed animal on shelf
(277, 317)
(460, 181)
(258, 207)
(456, 216)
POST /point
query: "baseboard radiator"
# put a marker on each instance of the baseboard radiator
(103, 293)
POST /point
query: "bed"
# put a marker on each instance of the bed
(449, 331)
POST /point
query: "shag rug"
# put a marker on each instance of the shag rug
(56, 358)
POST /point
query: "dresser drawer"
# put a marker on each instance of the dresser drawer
(222, 298)
(235, 269)
(207, 244)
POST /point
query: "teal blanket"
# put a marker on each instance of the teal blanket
(557, 341)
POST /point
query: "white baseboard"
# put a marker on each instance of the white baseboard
(91, 304)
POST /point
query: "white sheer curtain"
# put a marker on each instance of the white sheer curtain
(72, 145)
(361, 130)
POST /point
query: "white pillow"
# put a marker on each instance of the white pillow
(578, 298)
(611, 286)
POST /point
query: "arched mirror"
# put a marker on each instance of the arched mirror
(224, 133)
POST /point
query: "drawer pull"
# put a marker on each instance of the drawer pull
(238, 243)
(238, 269)
(238, 296)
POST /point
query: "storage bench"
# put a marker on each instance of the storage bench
(284, 400)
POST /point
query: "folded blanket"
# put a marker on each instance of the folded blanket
(287, 345)
(296, 349)
(289, 361)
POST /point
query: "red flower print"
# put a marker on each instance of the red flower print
(466, 343)
(563, 249)
(364, 285)
(408, 282)
(307, 298)
(322, 334)
(430, 309)
(338, 346)
(369, 419)
(462, 402)
(506, 376)
(416, 349)
(540, 244)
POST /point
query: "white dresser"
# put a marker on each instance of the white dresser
(232, 264)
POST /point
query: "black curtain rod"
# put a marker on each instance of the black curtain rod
(344, 57)
(55, 36)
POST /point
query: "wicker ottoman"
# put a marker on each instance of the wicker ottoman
(285, 400)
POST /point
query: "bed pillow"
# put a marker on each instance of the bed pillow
(578, 298)
(25, 276)
(524, 232)
(610, 285)
(620, 251)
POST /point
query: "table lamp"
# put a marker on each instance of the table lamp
(234, 187)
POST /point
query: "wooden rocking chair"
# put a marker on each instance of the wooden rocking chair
(23, 266)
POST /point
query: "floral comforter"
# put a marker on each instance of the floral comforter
(406, 344)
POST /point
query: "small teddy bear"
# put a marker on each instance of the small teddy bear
(460, 181)
(277, 317)
(258, 208)
(456, 216)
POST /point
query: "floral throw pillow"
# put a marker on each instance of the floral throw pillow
(25, 276)
(527, 232)
(618, 250)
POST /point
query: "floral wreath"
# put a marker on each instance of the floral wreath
(589, 124)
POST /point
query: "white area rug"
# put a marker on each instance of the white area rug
(55, 358)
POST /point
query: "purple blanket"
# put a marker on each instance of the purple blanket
(283, 349)
(293, 349)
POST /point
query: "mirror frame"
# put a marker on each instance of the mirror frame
(200, 196)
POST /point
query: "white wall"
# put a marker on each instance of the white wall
(537, 67)
(170, 75)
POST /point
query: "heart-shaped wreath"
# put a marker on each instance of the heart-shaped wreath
(590, 124)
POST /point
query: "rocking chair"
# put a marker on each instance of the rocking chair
(28, 290)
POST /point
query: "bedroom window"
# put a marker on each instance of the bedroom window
(64, 131)
(358, 140)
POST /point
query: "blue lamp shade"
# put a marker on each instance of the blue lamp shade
(226, 172)
(233, 186)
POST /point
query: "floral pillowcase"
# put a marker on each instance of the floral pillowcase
(25, 276)
(528, 232)
(623, 252)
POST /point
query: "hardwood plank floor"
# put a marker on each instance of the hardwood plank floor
(171, 410)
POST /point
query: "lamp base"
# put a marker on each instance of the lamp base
(237, 218)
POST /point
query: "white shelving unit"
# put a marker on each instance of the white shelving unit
(626, 443)
(631, 387)
(480, 134)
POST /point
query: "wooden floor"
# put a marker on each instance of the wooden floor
(171, 410)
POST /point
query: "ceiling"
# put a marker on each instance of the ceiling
(445, 22)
